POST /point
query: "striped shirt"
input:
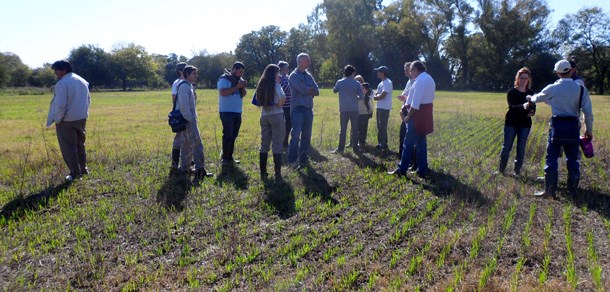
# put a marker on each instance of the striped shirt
(286, 87)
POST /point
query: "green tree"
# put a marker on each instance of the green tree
(458, 15)
(510, 30)
(258, 49)
(167, 66)
(93, 64)
(210, 67)
(350, 25)
(132, 63)
(397, 40)
(42, 77)
(586, 34)
(12, 70)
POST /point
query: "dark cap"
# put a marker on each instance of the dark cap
(383, 69)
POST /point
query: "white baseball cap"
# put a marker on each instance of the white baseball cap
(563, 66)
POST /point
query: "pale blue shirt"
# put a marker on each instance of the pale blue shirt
(228, 104)
(70, 101)
(563, 97)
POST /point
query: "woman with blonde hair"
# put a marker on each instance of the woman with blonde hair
(518, 120)
(270, 98)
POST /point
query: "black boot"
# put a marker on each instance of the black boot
(277, 160)
(175, 157)
(262, 162)
(572, 185)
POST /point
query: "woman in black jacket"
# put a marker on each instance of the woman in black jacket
(518, 120)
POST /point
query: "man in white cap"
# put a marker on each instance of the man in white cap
(567, 99)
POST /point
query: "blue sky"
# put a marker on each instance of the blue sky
(42, 31)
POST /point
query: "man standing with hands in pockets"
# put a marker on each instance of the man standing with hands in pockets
(303, 88)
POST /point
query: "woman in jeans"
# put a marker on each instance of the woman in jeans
(270, 98)
(518, 120)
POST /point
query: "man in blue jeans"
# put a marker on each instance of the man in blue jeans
(417, 114)
(566, 99)
(231, 89)
(303, 88)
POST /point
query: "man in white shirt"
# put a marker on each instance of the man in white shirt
(69, 111)
(383, 96)
(419, 120)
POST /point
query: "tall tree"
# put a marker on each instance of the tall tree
(132, 63)
(459, 15)
(93, 64)
(258, 49)
(397, 40)
(12, 70)
(210, 67)
(350, 25)
(510, 28)
(42, 77)
(588, 32)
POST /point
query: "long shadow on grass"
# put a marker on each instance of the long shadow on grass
(280, 196)
(317, 185)
(444, 185)
(234, 175)
(174, 190)
(17, 206)
(363, 161)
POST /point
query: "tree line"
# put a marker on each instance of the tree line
(466, 45)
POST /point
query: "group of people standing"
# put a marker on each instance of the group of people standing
(286, 103)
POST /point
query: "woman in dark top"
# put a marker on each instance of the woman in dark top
(518, 120)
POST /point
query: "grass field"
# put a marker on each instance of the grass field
(342, 224)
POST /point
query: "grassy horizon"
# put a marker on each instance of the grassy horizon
(342, 224)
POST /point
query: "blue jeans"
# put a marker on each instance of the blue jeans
(302, 121)
(231, 122)
(510, 133)
(420, 142)
(553, 150)
(352, 118)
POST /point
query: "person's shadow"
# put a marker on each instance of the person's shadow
(315, 155)
(279, 195)
(174, 190)
(363, 161)
(317, 185)
(443, 184)
(234, 175)
(593, 200)
(17, 206)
